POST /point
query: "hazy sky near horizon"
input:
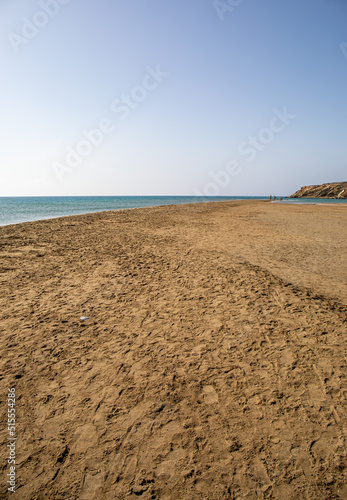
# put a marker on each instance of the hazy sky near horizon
(181, 97)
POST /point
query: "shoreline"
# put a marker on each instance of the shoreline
(211, 363)
(178, 204)
(213, 200)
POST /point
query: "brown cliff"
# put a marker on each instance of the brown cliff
(329, 190)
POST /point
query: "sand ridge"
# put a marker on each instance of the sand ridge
(212, 364)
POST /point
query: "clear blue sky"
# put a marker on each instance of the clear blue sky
(187, 96)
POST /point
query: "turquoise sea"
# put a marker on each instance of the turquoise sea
(312, 201)
(24, 209)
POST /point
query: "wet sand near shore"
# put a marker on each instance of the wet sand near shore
(212, 363)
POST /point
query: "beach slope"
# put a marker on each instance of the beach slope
(212, 363)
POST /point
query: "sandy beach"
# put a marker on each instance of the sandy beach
(212, 364)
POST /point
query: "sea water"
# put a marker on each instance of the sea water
(311, 201)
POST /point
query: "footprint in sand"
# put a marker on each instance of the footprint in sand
(210, 395)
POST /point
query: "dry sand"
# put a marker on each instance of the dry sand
(212, 364)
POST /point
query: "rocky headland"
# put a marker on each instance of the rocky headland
(329, 190)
